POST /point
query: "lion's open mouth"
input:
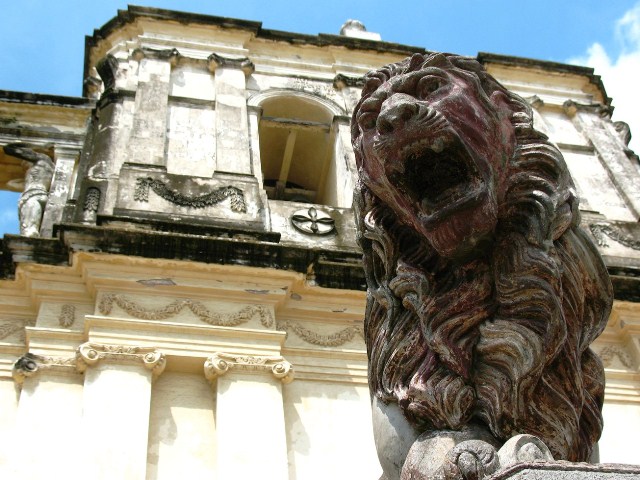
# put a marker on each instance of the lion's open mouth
(437, 179)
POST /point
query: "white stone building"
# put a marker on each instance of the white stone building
(193, 304)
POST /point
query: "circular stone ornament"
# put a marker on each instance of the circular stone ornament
(313, 221)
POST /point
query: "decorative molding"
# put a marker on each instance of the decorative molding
(609, 352)
(315, 88)
(197, 308)
(141, 194)
(29, 364)
(67, 315)
(89, 354)
(340, 81)
(14, 326)
(313, 221)
(220, 363)
(336, 339)
(599, 230)
(242, 63)
(7, 329)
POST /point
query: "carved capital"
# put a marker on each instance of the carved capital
(92, 86)
(571, 108)
(220, 363)
(89, 354)
(340, 81)
(170, 55)
(107, 68)
(243, 63)
(535, 101)
(29, 364)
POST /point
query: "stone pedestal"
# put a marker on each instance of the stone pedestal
(249, 415)
(568, 471)
(116, 405)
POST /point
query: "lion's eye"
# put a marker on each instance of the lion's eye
(428, 85)
(367, 121)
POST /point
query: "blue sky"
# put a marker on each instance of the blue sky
(42, 42)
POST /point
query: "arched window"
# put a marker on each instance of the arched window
(297, 141)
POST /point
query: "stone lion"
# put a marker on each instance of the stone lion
(483, 292)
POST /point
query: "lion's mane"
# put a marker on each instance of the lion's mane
(503, 337)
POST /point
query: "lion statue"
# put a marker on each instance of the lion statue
(483, 292)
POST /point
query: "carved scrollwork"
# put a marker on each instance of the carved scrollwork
(336, 339)
(89, 354)
(600, 230)
(236, 196)
(29, 364)
(197, 308)
(220, 363)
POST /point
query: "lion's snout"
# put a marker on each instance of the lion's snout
(396, 111)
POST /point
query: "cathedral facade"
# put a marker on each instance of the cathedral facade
(186, 296)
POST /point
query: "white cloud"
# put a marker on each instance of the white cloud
(621, 74)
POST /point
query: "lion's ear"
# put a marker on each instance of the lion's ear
(502, 102)
(439, 60)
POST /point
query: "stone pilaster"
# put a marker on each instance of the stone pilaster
(351, 87)
(232, 126)
(345, 160)
(595, 121)
(249, 415)
(116, 405)
(148, 135)
(49, 413)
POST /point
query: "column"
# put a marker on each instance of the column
(232, 127)
(48, 418)
(250, 426)
(60, 187)
(116, 405)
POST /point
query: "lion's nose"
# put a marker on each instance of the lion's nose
(395, 112)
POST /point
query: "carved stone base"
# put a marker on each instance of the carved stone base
(568, 471)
